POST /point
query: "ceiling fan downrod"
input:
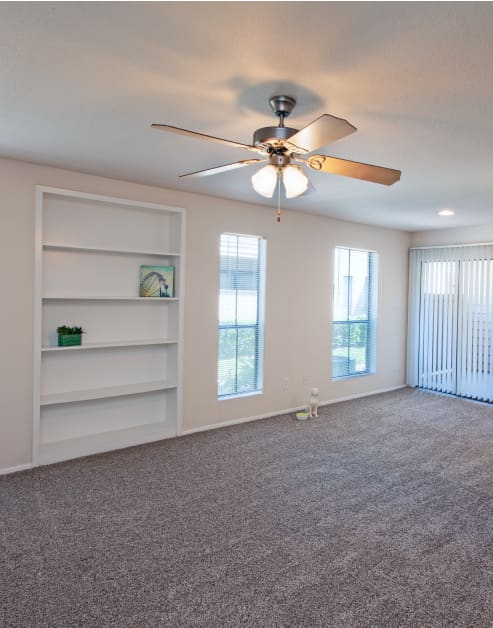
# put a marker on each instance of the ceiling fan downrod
(269, 136)
(282, 106)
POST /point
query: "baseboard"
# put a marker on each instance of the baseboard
(367, 394)
(20, 467)
(248, 419)
(266, 415)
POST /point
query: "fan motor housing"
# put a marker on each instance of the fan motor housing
(273, 135)
(280, 160)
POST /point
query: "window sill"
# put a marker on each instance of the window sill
(342, 377)
(241, 395)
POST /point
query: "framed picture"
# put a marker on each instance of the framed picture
(157, 281)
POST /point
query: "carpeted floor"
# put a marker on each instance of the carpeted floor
(378, 513)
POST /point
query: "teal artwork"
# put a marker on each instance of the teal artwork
(157, 281)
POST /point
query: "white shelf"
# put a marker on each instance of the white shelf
(88, 249)
(89, 394)
(111, 345)
(95, 249)
(61, 297)
(57, 451)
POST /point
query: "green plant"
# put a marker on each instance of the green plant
(65, 330)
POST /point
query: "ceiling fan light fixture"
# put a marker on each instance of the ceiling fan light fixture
(264, 181)
(295, 180)
(279, 145)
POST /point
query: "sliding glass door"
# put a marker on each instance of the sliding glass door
(437, 344)
(451, 320)
(474, 357)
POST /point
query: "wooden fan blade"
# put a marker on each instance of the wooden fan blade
(354, 169)
(202, 136)
(225, 168)
(320, 132)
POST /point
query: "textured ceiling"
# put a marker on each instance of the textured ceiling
(80, 84)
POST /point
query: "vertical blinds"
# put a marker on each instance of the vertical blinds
(451, 320)
(241, 315)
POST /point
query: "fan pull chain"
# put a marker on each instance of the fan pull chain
(278, 213)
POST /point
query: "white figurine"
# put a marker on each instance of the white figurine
(313, 405)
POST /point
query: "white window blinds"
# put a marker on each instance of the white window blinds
(451, 320)
(241, 315)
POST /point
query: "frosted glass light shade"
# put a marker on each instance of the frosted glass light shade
(295, 181)
(265, 180)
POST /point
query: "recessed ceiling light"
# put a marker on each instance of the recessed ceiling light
(446, 212)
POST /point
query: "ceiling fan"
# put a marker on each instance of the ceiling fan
(281, 146)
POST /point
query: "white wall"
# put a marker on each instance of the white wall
(458, 235)
(298, 304)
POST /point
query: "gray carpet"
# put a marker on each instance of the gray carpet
(378, 513)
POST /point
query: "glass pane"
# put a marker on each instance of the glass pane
(358, 348)
(226, 372)
(227, 275)
(247, 348)
(246, 276)
(341, 278)
(247, 247)
(247, 307)
(358, 285)
(340, 341)
(228, 245)
(227, 307)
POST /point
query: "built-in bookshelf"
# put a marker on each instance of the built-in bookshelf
(122, 386)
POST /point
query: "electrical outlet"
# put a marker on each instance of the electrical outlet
(305, 380)
(285, 382)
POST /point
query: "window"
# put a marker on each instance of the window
(241, 315)
(354, 319)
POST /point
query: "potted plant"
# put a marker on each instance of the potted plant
(69, 336)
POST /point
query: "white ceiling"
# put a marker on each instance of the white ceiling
(80, 84)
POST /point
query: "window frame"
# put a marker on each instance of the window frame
(258, 327)
(370, 321)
